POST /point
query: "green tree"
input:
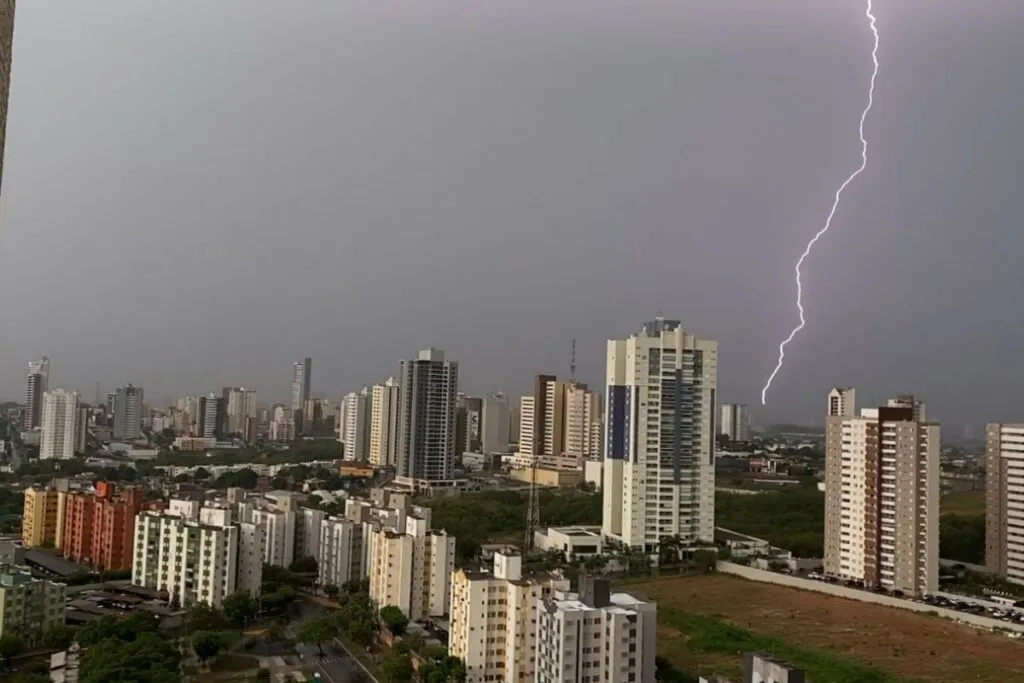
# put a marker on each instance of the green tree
(962, 538)
(202, 617)
(263, 676)
(705, 560)
(317, 632)
(58, 637)
(11, 645)
(394, 619)
(396, 668)
(207, 645)
(150, 658)
(332, 591)
(239, 608)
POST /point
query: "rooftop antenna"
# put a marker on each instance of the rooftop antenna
(572, 363)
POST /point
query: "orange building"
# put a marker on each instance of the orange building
(99, 529)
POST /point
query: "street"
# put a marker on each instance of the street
(335, 666)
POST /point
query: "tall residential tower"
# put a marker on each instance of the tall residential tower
(1004, 501)
(882, 494)
(426, 417)
(37, 383)
(659, 474)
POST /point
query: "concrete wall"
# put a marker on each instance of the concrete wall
(863, 596)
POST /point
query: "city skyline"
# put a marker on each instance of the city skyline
(654, 183)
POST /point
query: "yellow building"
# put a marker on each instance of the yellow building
(43, 518)
(492, 625)
(550, 477)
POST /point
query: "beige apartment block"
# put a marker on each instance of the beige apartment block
(1004, 501)
(882, 494)
(493, 620)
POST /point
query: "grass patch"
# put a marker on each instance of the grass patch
(963, 503)
(700, 633)
(233, 663)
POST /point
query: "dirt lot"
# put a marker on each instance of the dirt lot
(915, 646)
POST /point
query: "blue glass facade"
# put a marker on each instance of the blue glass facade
(619, 412)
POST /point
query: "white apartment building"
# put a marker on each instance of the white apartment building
(383, 423)
(882, 494)
(735, 421)
(425, 450)
(583, 433)
(307, 532)
(411, 569)
(195, 561)
(59, 425)
(391, 569)
(559, 424)
(355, 425)
(493, 619)
(1004, 501)
(341, 556)
(659, 471)
(278, 527)
(494, 429)
(596, 636)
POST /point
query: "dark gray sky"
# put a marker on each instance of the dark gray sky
(198, 193)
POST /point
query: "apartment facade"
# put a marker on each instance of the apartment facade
(37, 380)
(493, 619)
(734, 421)
(1004, 500)
(659, 437)
(356, 421)
(302, 374)
(196, 561)
(383, 423)
(98, 528)
(595, 636)
(494, 427)
(59, 438)
(128, 413)
(240, 408)
(42, 513)
(341, 554)
(882, 494)
(425, 450)
(29, 606)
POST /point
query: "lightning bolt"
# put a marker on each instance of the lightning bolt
(831, 214)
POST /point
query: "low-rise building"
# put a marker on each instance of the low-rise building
(29, 606)
(573, 541)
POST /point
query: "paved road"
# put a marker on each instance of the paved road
(335, 666)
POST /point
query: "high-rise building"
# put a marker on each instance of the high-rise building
(240, 406)
(659, 470)
(59, 436)
(384, 423)
(596, 635)
(30, 606)
(1004, 501)
(211, 417)
(37, 381)
(356, 421)
(735, 421)
(427, 416)
(559, 423)
(282, 426)
(494, 431)
(340, 552)
(882, 494)
(301, 375)
(128, 413)
(493, 618)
